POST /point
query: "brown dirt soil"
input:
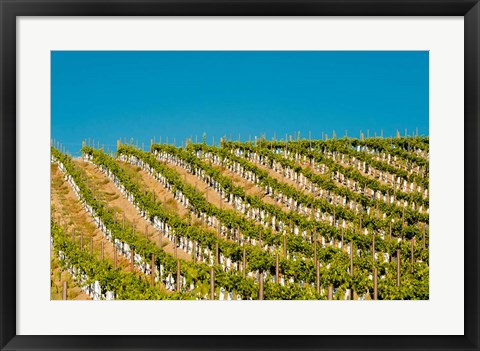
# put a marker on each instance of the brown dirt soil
(307, 165)
(250, 188)
(338, 183)
(66, 205)
(146, 181)
(213, 196)
(57, 277)
(109, 191)
(344, 164)
(278, 176)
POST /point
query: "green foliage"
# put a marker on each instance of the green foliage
(335, 262)
(126, 285)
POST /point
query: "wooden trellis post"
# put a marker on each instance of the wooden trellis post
(315, 249)
(412, 254)
(212, 284)
(373, 247)
(330, 292)
(285, 245)
(178, 276)
(194, 252)
(216, 253)
(341, 233)
(424, 237)
(351, 258)
(317, 265)
(64, 291)
(260, 282)
(375, 284)
(360, 224)
(152, 270)
(398, 267)
(276, 268)
(132, 260)
(244, 262)
(175, 246)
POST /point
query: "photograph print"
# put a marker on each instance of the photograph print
(239, 175)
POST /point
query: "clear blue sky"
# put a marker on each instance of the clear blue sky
(179, 94)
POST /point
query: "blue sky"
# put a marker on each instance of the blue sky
(109, 95)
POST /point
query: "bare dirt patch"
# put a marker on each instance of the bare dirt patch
(213, 197)
(149, 183)
(249, 188)
(67, 208)
(106, 188)
(57, 277)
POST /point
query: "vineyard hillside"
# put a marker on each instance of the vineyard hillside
(335, 219)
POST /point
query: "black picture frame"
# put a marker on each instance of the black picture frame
(10, 10)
